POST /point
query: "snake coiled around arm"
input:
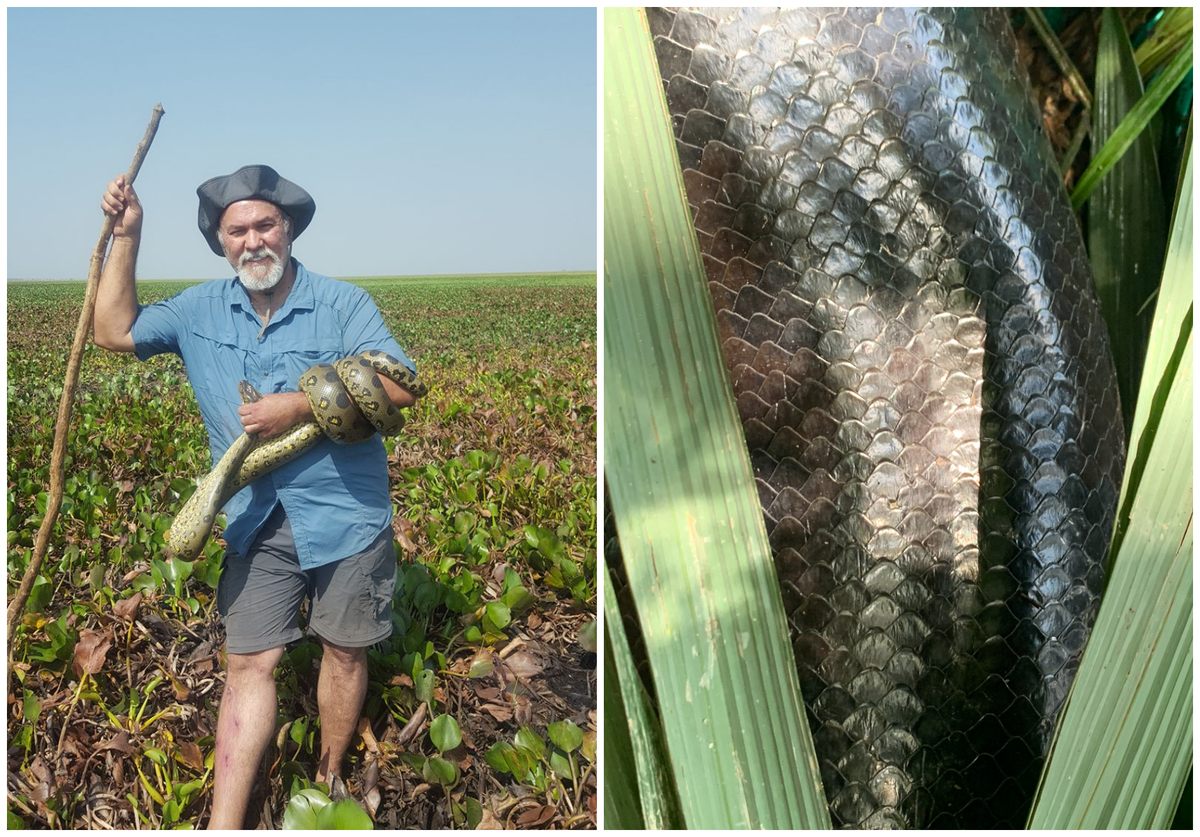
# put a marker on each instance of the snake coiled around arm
(924, 380)
(349, 404)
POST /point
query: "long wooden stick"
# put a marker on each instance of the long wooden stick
(17, 605)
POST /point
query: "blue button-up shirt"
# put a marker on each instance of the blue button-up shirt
(336, 496)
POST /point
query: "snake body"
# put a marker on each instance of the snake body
(349, 404)
(924, 380)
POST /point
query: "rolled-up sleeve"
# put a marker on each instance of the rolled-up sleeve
(365, 330)
(157, 329)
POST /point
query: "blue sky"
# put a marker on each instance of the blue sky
(434, 141)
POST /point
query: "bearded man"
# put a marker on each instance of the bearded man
(316, 527)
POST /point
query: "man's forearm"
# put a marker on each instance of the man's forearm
(116, 297)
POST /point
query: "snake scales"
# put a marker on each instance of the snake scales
(924, 380)
(349, 404)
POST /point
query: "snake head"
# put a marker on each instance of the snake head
(248, 392)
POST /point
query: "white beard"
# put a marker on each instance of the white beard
(258, 277)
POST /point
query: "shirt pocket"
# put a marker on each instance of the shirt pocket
(216, 363)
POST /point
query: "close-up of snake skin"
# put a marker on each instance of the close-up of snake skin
(925, 383)
(349, 404)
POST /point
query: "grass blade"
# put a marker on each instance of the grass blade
(678, 473)
(638, 791)
(1132, 125)
(1171, 32)
(1126, 258)
(622, 798)
(1046, 32)
(1124, 744)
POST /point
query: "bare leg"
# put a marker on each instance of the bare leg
(341, 689)
(244, 728)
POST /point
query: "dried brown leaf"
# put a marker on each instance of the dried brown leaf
(368, 735)
(189, 753)
(90, 651)
(372, 798)
(119, 742)
(536, 815)
(524, 665)
(498, 711)
(402, 530)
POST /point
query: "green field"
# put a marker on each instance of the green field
(494, 488)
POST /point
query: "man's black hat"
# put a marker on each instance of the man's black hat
(251, 183)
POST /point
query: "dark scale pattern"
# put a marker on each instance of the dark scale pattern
(905, 309)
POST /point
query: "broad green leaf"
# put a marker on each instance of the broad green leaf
(344, 815)
(440, 771)
(529, 739)
(1123, 748)
(506, 758)
(565, 735)
(1126, 257)
(497, 615)
(423, 685)
(1132, 125)
(517, 598)
(561, 765)
(682, 491)
(39, 595)
(472, 811)
(444, 733)
(300, 813)
(31, 706)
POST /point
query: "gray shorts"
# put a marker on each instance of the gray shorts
(259, 595)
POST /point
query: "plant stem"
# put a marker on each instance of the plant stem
(74, 361)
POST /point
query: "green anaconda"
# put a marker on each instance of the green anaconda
(349, 404)
(924, 380)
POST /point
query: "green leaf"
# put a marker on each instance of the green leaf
(1123, 747)
(529, 739)
(1132, 125)
(496, 616)
(481, 665)
(31, 706)
(506, 758)
(498, 756)
(639, 791)
(39, 595)
(1126, 257)
(1170, 34)
(473, 811)
(516, 598)
(440, 771)
(565, 735)
(300, 814)
(682, 490)
(561, 765)
(444, 733)
(344, 815)
(423, 684)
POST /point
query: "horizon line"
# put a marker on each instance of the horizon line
(348, 276)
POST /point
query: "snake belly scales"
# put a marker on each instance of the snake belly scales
(349, 405)
(924, 380)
